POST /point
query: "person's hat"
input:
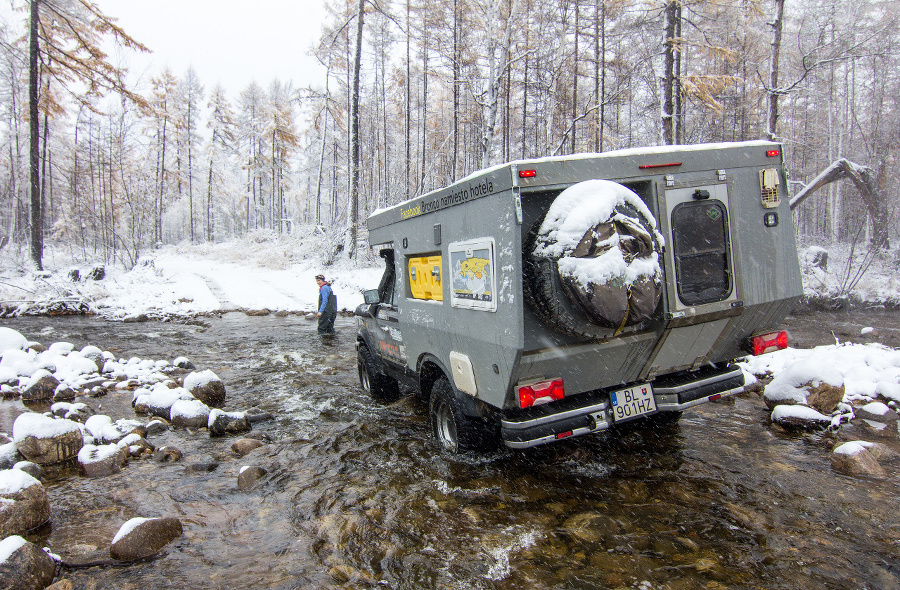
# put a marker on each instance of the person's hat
(320, 277)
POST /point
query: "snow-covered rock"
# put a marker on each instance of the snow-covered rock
(24, 503)
(189, 413)
(46, 440)
(140, 538)
(221, 423)
(99, 461)
(797, 416)
(24, 565)
(206, 386)
(11, 340)
(858, 458)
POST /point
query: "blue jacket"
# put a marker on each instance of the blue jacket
(327, 299)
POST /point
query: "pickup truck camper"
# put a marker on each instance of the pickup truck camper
(544, 299)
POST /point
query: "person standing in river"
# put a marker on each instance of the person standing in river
(327, 310)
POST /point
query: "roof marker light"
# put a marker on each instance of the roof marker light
(527, 173)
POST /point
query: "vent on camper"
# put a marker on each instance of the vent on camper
(768, 182)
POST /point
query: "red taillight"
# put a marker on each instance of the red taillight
(527, 173)
(768, 342)
(773, 153)
(535, 394)
(649, 166)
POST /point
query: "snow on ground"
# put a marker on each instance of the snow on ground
(260, 271)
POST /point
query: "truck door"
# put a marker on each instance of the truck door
(388, 341)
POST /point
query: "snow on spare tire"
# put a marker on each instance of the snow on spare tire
(595, 257)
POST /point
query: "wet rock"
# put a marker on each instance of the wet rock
(258, 312)
(799, 417)
(248, 476)
(223, 423)
(167, 455)
(590, 526)
(206, 387)
(201, 467)
(876, 411)
(40, 387)
(27, 566)
(76, 412)
(853, 458)
(136, 319)
(183, 363)
(189, 414)
(45, 440)
(103, 460)
(259, 435)
(162, 399)
(61, 585)
(155, 427)
(9, 455)
(255, 415)
(140, 538)
(824, 397)
(25, 503)
(243, 446)
(32, 469)
(63, 393)
(794, 386)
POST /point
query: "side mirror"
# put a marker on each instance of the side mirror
(370, 296)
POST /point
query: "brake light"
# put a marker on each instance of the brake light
(768, 342)
(669, 165)
(773, 153)
(535, 394)
(527, 173)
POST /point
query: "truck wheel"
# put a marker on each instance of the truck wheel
(453, 430)
(590, 271)
(380, 387)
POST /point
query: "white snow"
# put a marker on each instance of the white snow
(128, 527)
(853, 447)
(13, 481)
(41, 426)
(798, 411)
(97, 453)
(189, 408)
(579, 208)
(199, 379)
(10, 545)
(10, 339)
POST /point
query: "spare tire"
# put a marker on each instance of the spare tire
(592, 263)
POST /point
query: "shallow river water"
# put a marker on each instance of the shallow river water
(358, 496)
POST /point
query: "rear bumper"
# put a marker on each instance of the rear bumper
(672, 394)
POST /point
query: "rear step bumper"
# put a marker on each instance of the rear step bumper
(672, 394)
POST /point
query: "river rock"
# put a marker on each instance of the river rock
(11, 340)
(32, 469)
(95, 355)
(249, 475)
(799, 417)
(155, 427)
(244, 445)
(207, 387)
(103, 460)
(853, 458)
(44, 440)
(222, 423)
(40, 387)
(167, 455)
(590, 527)
(64, 393)
(25, 503)
(162, 398)
(877, 411)
(806, 382)
(140, 538)
(9, 455)
(61, 585)
(24, 565)
(76, 412)
(206, 467)
(183, 363)
(189, 413)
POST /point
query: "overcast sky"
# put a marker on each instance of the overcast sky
(227, 41)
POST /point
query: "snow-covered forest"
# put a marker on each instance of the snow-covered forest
(419, 94)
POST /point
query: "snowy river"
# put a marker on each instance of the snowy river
(358, 496)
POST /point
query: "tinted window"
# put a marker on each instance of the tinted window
(700, 236)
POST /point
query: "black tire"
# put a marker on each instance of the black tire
(379, 386)
(452, 429)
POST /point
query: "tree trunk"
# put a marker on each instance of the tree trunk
(36, 218)
(777, 25)
(354, 132)
(668, 110)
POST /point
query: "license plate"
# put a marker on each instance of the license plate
(632, 402)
